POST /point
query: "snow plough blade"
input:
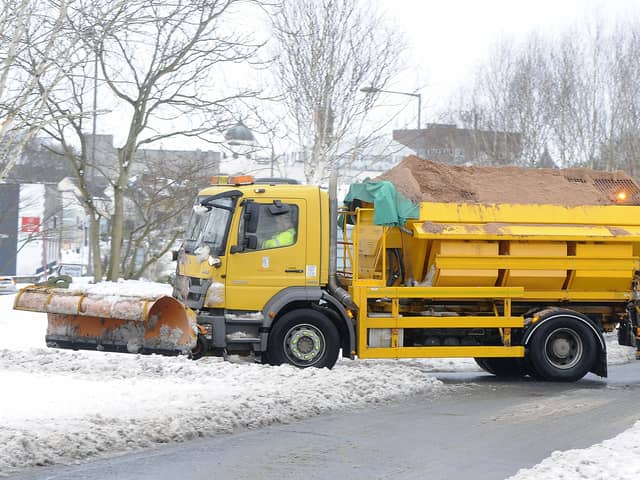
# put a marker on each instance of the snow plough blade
(112, 323)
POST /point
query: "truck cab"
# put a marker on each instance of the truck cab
(242, 274)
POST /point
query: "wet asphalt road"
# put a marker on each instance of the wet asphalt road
(483, 428)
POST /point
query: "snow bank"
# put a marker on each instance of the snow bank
(618, 354)
(62, 406)
(615, 459)
(20, 330)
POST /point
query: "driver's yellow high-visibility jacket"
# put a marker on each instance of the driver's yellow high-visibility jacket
(282, 239)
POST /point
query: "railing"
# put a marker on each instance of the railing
(345, 247)
(393, 321)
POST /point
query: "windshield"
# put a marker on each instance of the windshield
(208, 225)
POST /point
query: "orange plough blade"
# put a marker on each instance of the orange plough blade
(112, 323)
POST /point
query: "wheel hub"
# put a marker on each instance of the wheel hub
(304, 344)
(563, 348)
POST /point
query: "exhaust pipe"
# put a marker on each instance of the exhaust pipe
(336, 290)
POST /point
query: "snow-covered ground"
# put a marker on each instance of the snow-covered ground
(60, 406)
(615, 459)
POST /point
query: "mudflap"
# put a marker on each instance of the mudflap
(160, 325)
(600, 367)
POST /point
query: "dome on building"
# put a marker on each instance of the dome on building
(239, 134)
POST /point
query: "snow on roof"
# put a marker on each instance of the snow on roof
(124, 288)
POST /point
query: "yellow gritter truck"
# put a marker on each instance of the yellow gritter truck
(524, 288)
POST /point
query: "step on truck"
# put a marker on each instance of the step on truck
(525, 274)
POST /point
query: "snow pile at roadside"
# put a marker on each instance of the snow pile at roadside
(615, 459)
(20, 330)
(60, 406)
(618, 354)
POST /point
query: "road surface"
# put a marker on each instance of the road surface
(484, 428)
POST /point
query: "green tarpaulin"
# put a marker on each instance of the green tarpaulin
(391, 208)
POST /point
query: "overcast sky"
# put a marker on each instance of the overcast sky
(449, 38)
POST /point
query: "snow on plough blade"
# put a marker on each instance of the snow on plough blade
(112, 323)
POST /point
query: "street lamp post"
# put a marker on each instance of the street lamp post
(372, 89)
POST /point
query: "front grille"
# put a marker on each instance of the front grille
(194, 297)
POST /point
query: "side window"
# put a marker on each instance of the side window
(277, 226)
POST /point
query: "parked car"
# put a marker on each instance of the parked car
(71, 269)
(7, 285)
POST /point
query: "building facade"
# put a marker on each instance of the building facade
(458, 146)
(30, 228)
(42, 222)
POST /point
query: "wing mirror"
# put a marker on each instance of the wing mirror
(249, 241)
(214, 261)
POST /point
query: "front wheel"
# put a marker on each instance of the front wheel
(304, 338)
(563, 349)
(200, 349)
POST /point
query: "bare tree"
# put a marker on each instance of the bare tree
(565, 71)
(159, 204)
(511, 95)
(576, 96)
(530, 100)
(186, 43)
(620, 149)
(581, 104)
(161, 63)
(326, 51)
(35, 49)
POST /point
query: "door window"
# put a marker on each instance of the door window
(277, 227)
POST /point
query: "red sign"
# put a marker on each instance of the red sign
(30, 224)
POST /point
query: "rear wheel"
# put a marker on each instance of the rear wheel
(502, 367)
(483, 365)
(304, 338)
(563, 349)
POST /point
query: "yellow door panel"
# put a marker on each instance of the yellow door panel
(254, 276)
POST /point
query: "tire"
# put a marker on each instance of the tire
(483, 365)
(502, 367)
(529, 370)
(200, 349)
(304, 338)
(562, 349)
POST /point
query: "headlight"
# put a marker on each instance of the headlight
(209, 328)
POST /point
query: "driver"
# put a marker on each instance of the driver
(286, 233)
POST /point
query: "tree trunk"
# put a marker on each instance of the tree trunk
(117, 220)
(96, 260)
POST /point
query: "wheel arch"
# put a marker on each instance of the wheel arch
(600, 366)
(292, 298)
